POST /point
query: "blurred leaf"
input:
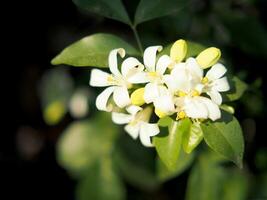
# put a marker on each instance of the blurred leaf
(168, 145)
(184, 161)
(136, 163)
(225, 137)
(92, 50)
(192, 138)
(259, 189)
(111, 9)
(85, 142)
(205, 179)
(193, 49)
(238, 88)
(147, 10)
(101, 183)
(55, 90)
(235, 186)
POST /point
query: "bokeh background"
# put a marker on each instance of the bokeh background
(38, 30)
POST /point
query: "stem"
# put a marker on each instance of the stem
(137, 39)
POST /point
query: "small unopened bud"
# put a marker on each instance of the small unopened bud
(208, 57)
(178, 51)
(137, 97)
(160, 113)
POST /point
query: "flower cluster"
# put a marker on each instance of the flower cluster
(168, 86)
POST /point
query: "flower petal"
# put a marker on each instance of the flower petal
(132, 130)
(162, 64)
(150, 57)
(131, 66)
(216, 72)
(140, 77)
(99, 78)
(213, 109)
(194, 67)
(132, 109)
(121, 118)
(121, 96)
(146, 131)
(165, 104)
(195, 108)
(215, 96)
(102, 99)
(151, 92)
(113, 61)
(221, 85)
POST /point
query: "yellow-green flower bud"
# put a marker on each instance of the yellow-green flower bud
(159, 113)
(208, 57)
(54, 112)
(178, 51)
(137, 97)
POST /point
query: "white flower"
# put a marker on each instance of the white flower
(119, 82)
(154, 72)
(137, 123)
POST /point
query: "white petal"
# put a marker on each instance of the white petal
(151, 92)
(213, 109)
(121, 96)
(113, 61)
(194, 67)
(102, 99)
(221, 85)
(121, 118)
(216, 72)
(181, 79)
(150, 57)
(215, 96)
(131, 66)
(140, 77)
(132, 109)
(99, 78)
(132, 130)
(162, 64)
(195, 108)
(146, 131)
(165, 104)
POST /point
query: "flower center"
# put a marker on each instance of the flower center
(180, 115)
(204, 80)
(195, 93)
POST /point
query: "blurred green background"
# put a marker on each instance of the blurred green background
(57, 146)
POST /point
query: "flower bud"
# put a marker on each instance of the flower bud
(208, 57)
(54, 112)
(137, 97)
(178, 51)
(159, 113)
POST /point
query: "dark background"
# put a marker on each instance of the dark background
(34, 32)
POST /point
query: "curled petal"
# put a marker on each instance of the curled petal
(99, 78)
(113, 61)
(150, 57)
(121, 97)
(162, 64)
(213, 109)
(146, 131)
(131, 66)
(102, 99)
(215, 96)
(221, 85)
(132, 109)
(132, 130)
(194, 67)
(216, 72)
(139, 77)
(121, 118)
(151, 92)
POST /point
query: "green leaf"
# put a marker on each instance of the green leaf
(101, 182)
(147, 10)
(225, 137)
(111, 9)
(84, 142)
(55, 89)
(168, 145)
(92, 51)
(192, 138)
(238, 88)
(193, 49)
(184, 161)
(205, 179)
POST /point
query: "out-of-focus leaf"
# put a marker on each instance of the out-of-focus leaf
(192, 138)
(168, 145)
(259, 188)
(55, 90)
(193, 49)
(147, 10)
(111, 9)
(85, 142)
(136, 163)
(184, 161)
(238, 88)
(225, 137)
(205, 180)
(92, 50)
(101, 182)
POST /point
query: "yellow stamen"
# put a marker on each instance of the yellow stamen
(153, 74)
(110, 78)
(137, 97)
(181, 94)
(195, 93)
(180, 115)
(204, 80)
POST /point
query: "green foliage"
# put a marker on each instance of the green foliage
(147, 10)
(111, 9)
(55, 90)
(92, 50)
(168, 145)
(237, 89)
(225, 137)
(192, 138)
